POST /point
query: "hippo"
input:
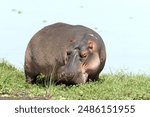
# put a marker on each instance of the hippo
(64, 53)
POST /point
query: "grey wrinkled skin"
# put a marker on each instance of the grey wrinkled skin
(69, 54)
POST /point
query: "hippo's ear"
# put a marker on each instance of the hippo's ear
(92, 45)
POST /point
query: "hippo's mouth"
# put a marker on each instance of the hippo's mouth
(76, 79)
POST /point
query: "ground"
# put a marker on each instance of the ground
(118, 86)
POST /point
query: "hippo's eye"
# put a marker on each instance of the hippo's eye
(83, 54)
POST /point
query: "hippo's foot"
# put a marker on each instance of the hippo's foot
(30, 80)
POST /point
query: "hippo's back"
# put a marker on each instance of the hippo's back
(49, 43)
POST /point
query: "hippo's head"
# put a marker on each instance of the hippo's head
(82, 61)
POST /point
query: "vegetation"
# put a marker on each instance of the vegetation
(119, 86)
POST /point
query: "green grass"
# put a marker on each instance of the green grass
(119, 86)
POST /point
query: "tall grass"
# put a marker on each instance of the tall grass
(118, 86)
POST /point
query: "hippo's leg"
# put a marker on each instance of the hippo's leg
(30, 78)
(94, 78)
